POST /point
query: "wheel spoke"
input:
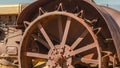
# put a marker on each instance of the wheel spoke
(85, 60)
(66, 31)
(60, 27)
(36, 55)
(41, 41)
(26, 23)
(82, 36)
(82, 49)
(46, 36)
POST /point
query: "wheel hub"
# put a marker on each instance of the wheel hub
(60, 57)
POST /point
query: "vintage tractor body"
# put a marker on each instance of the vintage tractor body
(66, 34)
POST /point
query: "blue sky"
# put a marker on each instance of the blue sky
(112, 3)
(15, 1)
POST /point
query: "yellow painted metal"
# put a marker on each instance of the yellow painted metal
(3, 66)
(37, 62)
(9, 9)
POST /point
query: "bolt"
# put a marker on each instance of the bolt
(68, 55)
(49, 57)
(53, 49)
(61, 52)
(48, 65)
(67, 65)
(70, 50)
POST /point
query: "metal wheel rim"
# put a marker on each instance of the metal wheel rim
(68, 15)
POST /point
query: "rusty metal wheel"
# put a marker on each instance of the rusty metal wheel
(59, 40)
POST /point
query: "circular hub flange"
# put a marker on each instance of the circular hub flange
(60, 57)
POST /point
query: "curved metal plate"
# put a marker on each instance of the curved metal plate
(108, 18)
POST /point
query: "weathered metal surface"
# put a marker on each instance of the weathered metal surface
(65, 34)
(25, 14)
(97, 18)
(113, 24)
(9, 47)
(113, 13)
(61, 52)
